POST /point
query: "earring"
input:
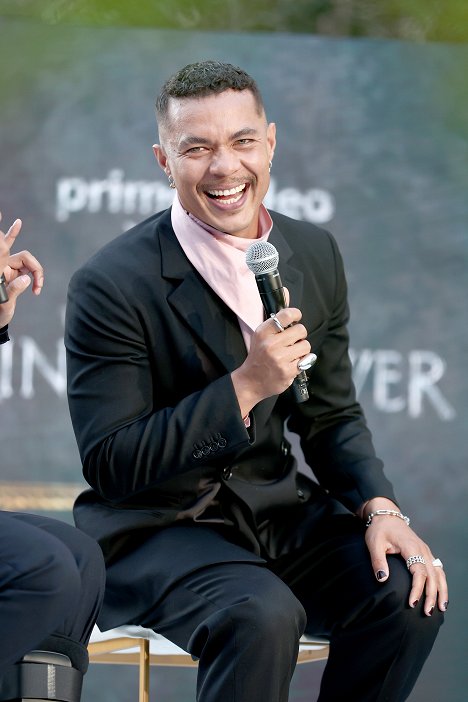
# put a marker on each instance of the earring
(270, 166)
(171, 181)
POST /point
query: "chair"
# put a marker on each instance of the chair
(135, 645)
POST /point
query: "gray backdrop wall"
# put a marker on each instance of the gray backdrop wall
(372, 145)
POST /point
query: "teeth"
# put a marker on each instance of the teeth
(225, 193)
(232, 200)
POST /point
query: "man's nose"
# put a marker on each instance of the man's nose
(224, 162)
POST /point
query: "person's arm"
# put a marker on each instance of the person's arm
(338, 446)
(335, 439)
(138, 425)
(17, 269)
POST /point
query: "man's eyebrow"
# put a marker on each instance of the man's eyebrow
(194, 140)
(246, 131)
(190, 140)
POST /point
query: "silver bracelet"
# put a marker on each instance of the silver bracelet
(388, 512)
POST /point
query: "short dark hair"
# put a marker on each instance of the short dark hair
(205, 78)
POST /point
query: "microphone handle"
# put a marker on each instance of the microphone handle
(272, 295)
(3, 290)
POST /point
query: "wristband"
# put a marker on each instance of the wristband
(387, 512)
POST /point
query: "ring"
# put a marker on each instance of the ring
(414, 559)
(306, 362)
(437, 563)
(278, 324)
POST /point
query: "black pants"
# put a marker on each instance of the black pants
(243, 620)
(51, 582)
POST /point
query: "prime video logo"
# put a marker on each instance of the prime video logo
(116, 195)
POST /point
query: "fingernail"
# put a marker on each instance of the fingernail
(381, 574)
(415, 603)
(429, 614)
(446, 604)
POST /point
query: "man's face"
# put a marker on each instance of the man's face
(218, 149)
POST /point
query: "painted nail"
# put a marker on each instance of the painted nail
(381, 574)
(445, 605)
(430, 611)
(415, 603)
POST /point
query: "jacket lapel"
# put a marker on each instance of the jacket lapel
(212, 323)
(291, 277)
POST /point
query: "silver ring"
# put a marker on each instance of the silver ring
(414, 559)
(278, 324)
(437, 563)
(306, 362)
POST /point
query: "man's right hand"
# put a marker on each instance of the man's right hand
(271, 364)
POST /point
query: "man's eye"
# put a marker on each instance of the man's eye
(242, 142)
(195, 149)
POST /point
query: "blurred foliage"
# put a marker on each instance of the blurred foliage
(413, 20)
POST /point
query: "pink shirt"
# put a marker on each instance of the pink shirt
(220, 260)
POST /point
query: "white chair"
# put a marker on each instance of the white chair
(135, 645)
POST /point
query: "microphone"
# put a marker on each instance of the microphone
(262, 259)
(3, 290)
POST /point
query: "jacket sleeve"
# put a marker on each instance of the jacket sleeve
(335, 439)
(4, 337)
(131, 439)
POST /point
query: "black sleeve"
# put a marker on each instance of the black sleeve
(4, 335)
(131, 438)
(335, 439)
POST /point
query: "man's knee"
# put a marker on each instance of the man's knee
(269, 617)
(395, 601)
(275, 612)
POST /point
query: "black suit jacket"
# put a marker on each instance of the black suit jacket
(150, 349)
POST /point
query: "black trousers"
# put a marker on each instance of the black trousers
(51, 582)
(244, 620)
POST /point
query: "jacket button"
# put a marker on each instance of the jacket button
(284, 448)
(300, 494)
(226, 473)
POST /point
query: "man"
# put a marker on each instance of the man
(179, 391)
(51, 574)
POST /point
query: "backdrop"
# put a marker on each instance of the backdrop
(372, 144)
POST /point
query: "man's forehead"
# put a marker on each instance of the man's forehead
(216, 117)
(187, 105)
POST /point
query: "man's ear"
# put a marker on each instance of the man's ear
(271, 139)
(160, 156)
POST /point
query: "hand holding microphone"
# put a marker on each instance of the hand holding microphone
(3, 290)
(262, 259)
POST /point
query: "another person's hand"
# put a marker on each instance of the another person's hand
(17, 269)
(391, 535)
(271, 364)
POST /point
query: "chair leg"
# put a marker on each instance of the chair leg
(144, 669)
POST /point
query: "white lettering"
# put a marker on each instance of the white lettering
(362, 364)
(426, 369)
(115, 195)
(399, 383)
(6, 368)
(387, 373)
(33, 357)
(318, 206)
(72, 196)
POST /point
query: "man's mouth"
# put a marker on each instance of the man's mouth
(228, 197)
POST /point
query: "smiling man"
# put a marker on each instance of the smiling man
(179, 392)
(216, 149)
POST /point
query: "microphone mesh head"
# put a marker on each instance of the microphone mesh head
(262, 257)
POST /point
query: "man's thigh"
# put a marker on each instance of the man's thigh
(332, 576)
(230, 602)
